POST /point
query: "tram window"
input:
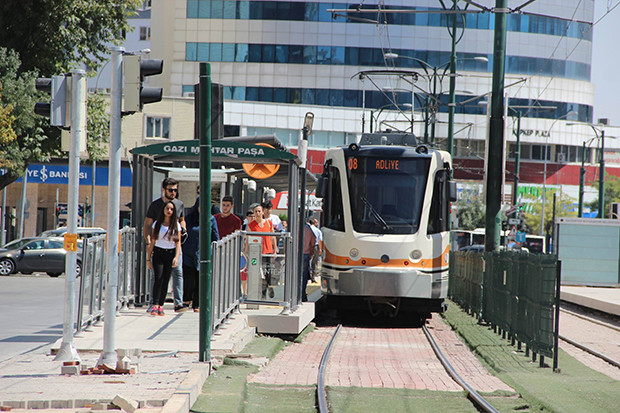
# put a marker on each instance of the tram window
(333, 214)
(440, 207)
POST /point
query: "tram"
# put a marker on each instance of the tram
(385, 223)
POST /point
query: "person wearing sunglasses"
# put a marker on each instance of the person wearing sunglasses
(170, 188)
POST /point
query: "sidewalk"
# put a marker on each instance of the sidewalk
(169, 376)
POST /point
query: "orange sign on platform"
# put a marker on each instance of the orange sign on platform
(261, 170)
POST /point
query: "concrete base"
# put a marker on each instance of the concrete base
(270, 320)
(606, 300)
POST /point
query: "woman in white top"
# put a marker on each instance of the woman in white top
(163, 253)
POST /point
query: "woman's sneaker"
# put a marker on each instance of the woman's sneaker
(160, 310)
(154, 310)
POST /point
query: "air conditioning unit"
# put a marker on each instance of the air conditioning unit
(561, 157)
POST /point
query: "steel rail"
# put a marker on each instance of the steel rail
(473, 394)
(321, 393)
(591, 319)
(587, 349)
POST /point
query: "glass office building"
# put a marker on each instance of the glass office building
(279, 59)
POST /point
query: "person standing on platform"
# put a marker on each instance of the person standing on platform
(170, 188)
(309, 241)
(318, 249)
(269, 244)
(191, 256)
(227, 222)
(275, 220)
(163, 253)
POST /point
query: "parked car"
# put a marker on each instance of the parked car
(28, 255)
(83, 232)
(473, 248)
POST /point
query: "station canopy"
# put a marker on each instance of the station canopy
(230, 153)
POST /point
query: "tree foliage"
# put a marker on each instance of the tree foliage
(98, 126)
(470, 213)
(565, 207)
(52, 35)
(30, 142)
(45, 38)
(612, 193)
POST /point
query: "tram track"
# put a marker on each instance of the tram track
(588, 349)
(477, 400)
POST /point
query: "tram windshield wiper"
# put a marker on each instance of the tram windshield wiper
(376, 215)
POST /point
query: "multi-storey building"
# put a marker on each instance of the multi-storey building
(278, 59)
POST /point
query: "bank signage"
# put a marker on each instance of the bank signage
(59, 175)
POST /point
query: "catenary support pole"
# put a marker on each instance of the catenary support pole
(601, 179)
(515, 190)
(496, 132)
(204, 284)
(109, 357)
(582, 179)
(452, 104)
(67, 351)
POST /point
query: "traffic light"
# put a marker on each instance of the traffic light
(136, 69)
(59, 108)
(81, 210)
(57, 212)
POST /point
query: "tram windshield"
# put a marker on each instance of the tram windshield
(387, 193)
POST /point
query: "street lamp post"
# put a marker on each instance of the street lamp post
(601, 178)
(582, 171)
(582, 178)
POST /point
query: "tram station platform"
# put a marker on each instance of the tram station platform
(604, 299)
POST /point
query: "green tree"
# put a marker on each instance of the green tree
(470, 213)
(98, 126)
(612, 192)
(50, 37)
(565, 207)
(53, 35)
(30, 142)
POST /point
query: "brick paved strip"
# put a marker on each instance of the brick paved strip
(462, 359)
(380, 358)
(298, 363)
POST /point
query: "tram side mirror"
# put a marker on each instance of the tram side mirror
(452, 187)
(321, 187)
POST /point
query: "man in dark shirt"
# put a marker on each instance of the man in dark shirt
(227, 222)
(170, 187)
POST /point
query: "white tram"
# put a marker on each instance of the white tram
(386, 225)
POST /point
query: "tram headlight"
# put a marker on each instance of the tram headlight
(416, 255)
(354, 253)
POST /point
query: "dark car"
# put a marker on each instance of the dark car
(473, 248)
(28, 255)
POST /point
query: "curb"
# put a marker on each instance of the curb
(188, 391)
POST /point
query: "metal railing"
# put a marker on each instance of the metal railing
(515, 292)
(93, 276)
(272, 279)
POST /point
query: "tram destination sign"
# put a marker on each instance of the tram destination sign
(219, 148)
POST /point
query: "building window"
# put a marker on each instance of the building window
(157, 127)
(145, 33)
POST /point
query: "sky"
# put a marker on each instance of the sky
(606, 62)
